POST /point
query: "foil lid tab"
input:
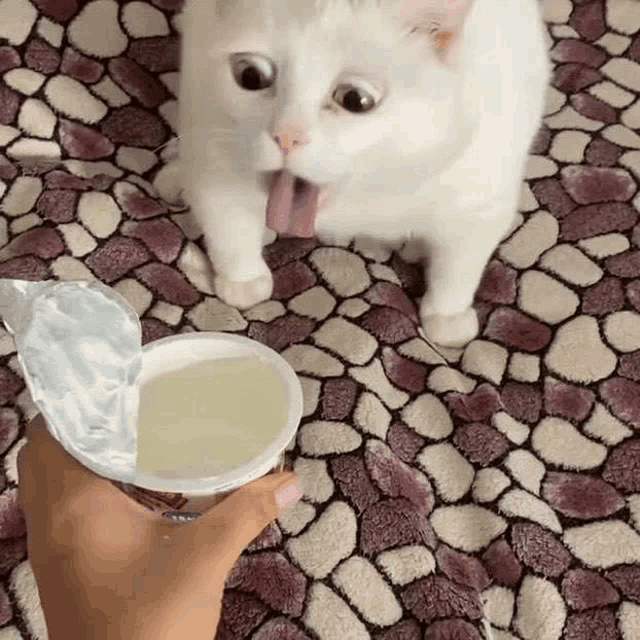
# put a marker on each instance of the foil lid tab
(80, 347)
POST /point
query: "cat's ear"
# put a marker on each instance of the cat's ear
(439, 21)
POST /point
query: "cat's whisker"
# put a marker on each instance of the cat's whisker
(167, 143)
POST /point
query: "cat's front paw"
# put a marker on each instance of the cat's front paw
(450, 331)
(243, 295)
(168, 183)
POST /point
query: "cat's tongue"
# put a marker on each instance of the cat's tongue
(292, 205)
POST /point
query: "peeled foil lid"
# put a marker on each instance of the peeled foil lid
(80, 347)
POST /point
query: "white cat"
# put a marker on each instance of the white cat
(397, 119)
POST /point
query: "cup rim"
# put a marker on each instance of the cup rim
(260, 464)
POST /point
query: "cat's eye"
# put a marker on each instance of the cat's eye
(252, 72)
(357, 97)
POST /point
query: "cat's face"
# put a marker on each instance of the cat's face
(363, 90)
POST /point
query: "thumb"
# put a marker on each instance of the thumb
(243, 515)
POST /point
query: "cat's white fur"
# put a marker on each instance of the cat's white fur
(440, 160)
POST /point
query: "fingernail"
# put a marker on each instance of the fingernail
(289, 495)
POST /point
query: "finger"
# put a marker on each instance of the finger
(69, 509)
(28, 464)
(54, 481)
(233, 523)
(52, 454)
(51, 475)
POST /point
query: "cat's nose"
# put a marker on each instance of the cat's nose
(287, 137)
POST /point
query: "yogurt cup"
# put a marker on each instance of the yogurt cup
(88, 331)
(182, 498)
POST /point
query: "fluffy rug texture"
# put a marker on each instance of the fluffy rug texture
(491, 492)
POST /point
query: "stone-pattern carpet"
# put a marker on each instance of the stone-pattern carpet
(492, 492)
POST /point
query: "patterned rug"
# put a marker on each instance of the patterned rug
(491, 492)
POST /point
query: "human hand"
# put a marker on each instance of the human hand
(108, 568)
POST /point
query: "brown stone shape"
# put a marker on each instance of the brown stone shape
(58, 10)
(160, 236)
(81, 67)
(581, 496)
(480, 443)
(595, 220)
(338, 397)
(623, 398)
(133, 126)
(240, 614)
(498, 283)
(354, 482)
(516, 330)
(404, 442)
(272, 578)
(572, 77)
(477, 406)
(436, 597)
(462, 568)
(157, 54)
(597, 624)
(539, 549)
(393, 522)
(594, 185)
(388, 294)
(551, 194)
(627, 580)
(593, 108)
(452, 629)
(541, 141)
(390, 326)
(603, 297)
(629, 366)
(154, 329)
(138, 82)
(9, 427)
(43, 242)
(633, 293)
(583, 589)
(12, 552)
(624, 265)
(567, 400)
(397, 479)
(633, 52)
(292, 279)
(116, 257)
(602, 153)
(403, 372)
(573, 50)
(169, 284)
(622, 468)
(588, 20)
(41, 56)
(286, 250)
(80, 141)
(9, 104)
(9, 58)
(282, 332)
(57, 205)
(522, 401)
(25, 268)
(502, 564)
